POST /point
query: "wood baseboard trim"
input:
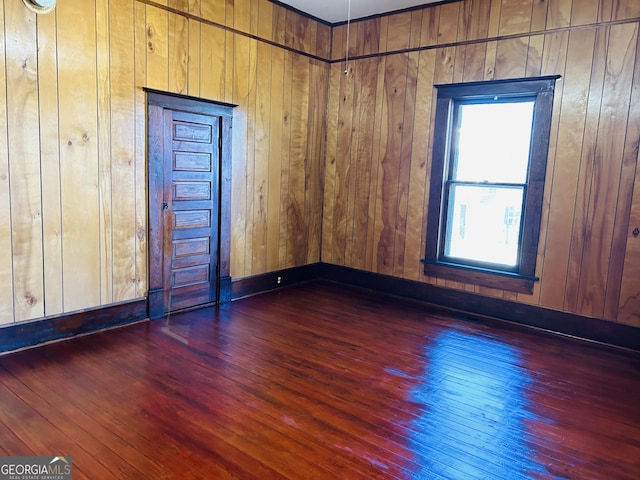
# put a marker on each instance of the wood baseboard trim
(254, 285)
(557, 322)
(29, 334)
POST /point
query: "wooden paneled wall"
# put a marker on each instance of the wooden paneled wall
(73, 212)
(380, 131)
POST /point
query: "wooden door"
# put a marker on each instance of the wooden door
(184, 209)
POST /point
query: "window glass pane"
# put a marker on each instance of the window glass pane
(484, 223)
(493, 143)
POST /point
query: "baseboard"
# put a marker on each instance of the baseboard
(586, 328)
(27, 334)
(266, 282)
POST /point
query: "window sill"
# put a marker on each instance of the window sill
(512, 282)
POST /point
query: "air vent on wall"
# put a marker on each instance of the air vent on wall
(40, 6)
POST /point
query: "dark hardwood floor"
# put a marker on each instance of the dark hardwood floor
(320, 381)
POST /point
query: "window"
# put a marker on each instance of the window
(490, 149)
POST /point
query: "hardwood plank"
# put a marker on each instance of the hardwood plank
(24, 162)
(326, 381)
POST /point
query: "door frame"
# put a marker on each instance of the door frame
(155, 176)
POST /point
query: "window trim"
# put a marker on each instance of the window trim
(522, 278)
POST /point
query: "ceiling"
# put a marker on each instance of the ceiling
(336, 11)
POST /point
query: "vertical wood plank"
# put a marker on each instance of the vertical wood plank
(333, 108)
(534, 56)
(448, 23)
(584, 12)
(178, 44)
(157, 48)
(251, 154)
(587, 159)
(623, 227)
(79, 153)
(430, 26)
(511, 58)
(420, 173)
(195, 58)
(229, 67)
(625, 9)
(559, 13)
(393, 116)
(379, 139)
(297, 218)
(274, 197)
(265, 19)
(140, 141)
(607, 168)
(283, 253)
(343, 168)
(260, 213)
(215, 11)
(367, 81)
(405, 164)
(400, 31)
(104, 140)
(239, 179)
(123, 153)
(6, 252)
(24, 161)
(573, 110)
(212, 71)
(50, 163)
(318, 74)
(515, 17)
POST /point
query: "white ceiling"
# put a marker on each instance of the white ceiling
(335, 11)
